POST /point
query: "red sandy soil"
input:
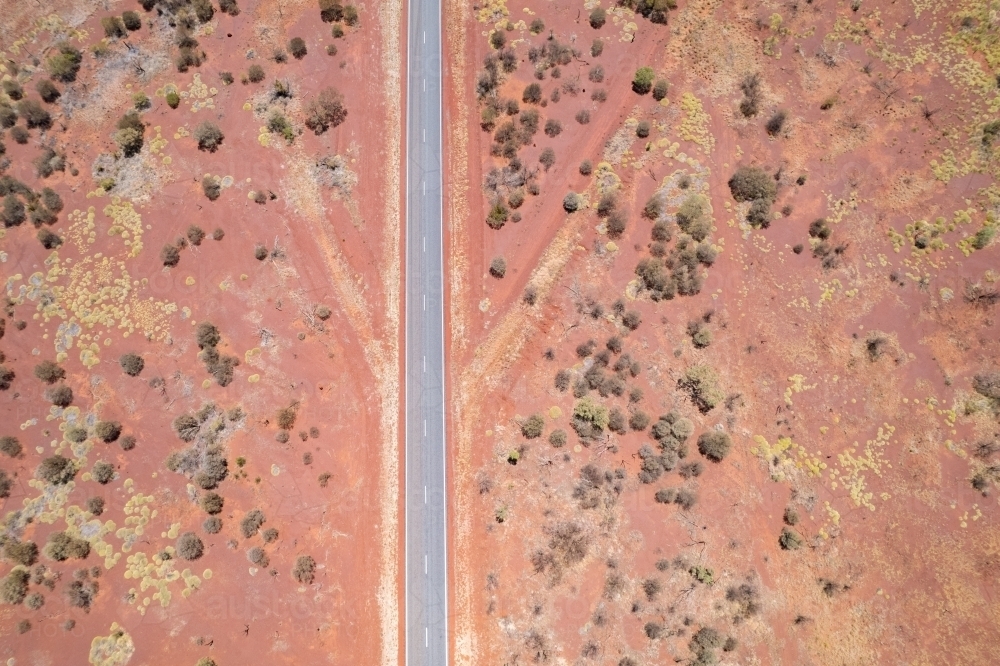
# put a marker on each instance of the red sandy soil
(909, 571)
(337, 248)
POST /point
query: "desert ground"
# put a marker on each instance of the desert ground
(200, 453)
(723, 331)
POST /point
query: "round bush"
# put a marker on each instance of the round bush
(498, 267)
(212, 503)
(714, 445)
(189, 546)
(49, 372)
(212, 525)
(56, 470)
(558, 438)
(108, 431)
(752, 183)
(132, 364)
(305, 569)
(103, 472)
(11, 446)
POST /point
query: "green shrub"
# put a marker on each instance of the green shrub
(325, 111)
(34, 114)
(497, 216)
(532, 427)
(129, 136)
(189, 546)
(714, 445)
(557, 438)
(13, 89)
(751, 183)
(702, 386)
(65, 64)
(759, 215)
(642, 82)
(10, 446)
(984, 236)
(173, 99)
(209, 136)
(49, 372)
(639, 420)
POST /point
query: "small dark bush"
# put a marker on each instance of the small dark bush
(532, 427)
(13, 89)
(20, 136)
(14, 587)
(95, 505)
(209, 136)
(498, 267)
(660, 89)
(195, 235)
(24, 553)
(632, 319)
(47, 91)
(65, 64)
(62, 546)
(305, 569)
(759, 215)
(557, 438)
(642, 129)
(255, 74)
(76, 434)
(251, 523)
(586, 168)
(229, 7)
(10, 446)
(49, 372)
(685, 499)
(114, 27)
(131, 20)
(211, 187)
(325, 111)
(750, 105)
(789, 539)
(791, 516)
(49, 240)
(81, 593)
(775, 123)
(61, 396)
(189, 546)
(186, 427)
(212, 503)
(170, 256)
(131, 364)
(212, 525)
(583, 116)
(598, 18)
(103, 472)
(34, 114)
(639, 420)
(6, 483)
(642, 82)
(532, 94)
(107, 431)
(297, 47)
(207, 335)
(597, 48)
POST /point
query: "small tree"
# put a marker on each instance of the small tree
(642, 83)
(209, 136)
(586, 168)
(572, 202)
(108, 431)
(251, 523)
(56, 470)
(325, 111)
(552, 127)
(547, 158)
(532, 94)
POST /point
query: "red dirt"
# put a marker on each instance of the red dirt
(341, 251)
(907, 579)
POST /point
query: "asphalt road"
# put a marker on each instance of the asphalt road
(426, 536)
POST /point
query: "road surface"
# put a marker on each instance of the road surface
(426, 536)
